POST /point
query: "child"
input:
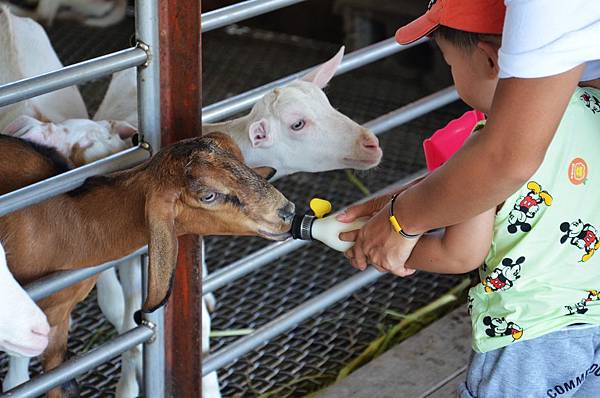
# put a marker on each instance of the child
(536, 312)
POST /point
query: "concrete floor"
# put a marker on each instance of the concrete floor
(429, 364)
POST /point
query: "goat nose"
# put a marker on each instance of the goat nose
(370, 141)
(286, 213)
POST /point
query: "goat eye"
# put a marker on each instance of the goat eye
(209, 198)
(299, 125)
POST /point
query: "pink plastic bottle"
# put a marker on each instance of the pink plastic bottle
(446, 141)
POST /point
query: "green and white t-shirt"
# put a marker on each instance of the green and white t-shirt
(542, 273)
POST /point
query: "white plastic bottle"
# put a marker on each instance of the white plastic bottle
(325, 230)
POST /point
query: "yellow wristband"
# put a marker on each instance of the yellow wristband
(396, 224)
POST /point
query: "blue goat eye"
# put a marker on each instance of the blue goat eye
(208, 198)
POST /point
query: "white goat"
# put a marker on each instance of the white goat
(23, 326)
(27, 52)
(58, 119)
(291, 129)
(98, 13)
(79, 140)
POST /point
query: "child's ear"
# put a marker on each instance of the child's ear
(490, 51)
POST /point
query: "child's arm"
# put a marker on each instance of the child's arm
(458, 249)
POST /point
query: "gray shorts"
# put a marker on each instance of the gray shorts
(561, 364)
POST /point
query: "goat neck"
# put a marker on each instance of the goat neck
(101, 221)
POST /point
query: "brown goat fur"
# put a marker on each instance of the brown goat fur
(196, 186)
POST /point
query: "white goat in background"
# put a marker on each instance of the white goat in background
(97, 13)
(58, 119)
(27, 52)
(291, 129)
(23, 326)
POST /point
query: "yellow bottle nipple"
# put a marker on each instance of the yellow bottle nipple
(320, 207)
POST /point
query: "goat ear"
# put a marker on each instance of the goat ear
(122, 128)
(259, 133)
(265, 172)
(162, 248)
(20, 126)
(322, 74)
(227, 144)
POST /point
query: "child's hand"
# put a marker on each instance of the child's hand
(366, 209)
(378, 244)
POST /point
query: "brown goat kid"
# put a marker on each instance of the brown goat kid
(197, 186)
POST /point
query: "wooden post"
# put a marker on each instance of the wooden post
(181, 101)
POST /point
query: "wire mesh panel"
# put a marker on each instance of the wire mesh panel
(302, 360)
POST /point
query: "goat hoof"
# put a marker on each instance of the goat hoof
(137, 317)
(70, 389)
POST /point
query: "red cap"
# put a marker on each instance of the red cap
(476, 16)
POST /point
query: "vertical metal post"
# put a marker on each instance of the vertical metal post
(180, 75)
(154, 349)
(147, 27)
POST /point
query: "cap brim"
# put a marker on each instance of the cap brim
(418, 28)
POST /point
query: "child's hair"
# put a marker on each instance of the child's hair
(462, 39)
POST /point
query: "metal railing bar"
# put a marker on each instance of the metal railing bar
(355, 59)
(65, 182)
(70, 75)
(413, 110)
(238, 12)
(155, 350)
(81, 364)
(289, 320)
(52, 283)
(149, 116)
(238, 269)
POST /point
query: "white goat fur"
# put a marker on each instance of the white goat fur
(23, 326)
(26, 52)
(58, 119)
(329, 140)
(98, 13)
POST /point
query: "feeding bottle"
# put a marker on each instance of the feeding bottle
(326, 230)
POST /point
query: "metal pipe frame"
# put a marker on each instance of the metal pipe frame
(72, 179)
(70, 75)
(354, 60)
(238, 12)
(289, 320)
(413, 110)
(269, 253)
(154, 350)
(149, 115)
(81, 364)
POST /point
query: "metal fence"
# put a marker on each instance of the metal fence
(145, 56)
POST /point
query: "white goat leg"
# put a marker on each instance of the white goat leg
(209, 299)
(18, 372)
(210, 382)
(110, 298)
(127, 387)
(131, 361)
